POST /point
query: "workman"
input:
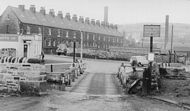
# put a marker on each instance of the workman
(134, 64)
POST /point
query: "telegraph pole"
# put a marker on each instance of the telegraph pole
(81, 46)
(149, 31)
(74, 45)
(149, 74)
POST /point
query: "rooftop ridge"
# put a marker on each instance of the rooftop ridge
(37, 18)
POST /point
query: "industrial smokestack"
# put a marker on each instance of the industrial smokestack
(166, 31)
(106, 14)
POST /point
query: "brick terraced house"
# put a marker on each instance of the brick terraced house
(55, 29)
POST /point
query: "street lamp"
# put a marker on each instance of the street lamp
(81, 45)
(74, 46)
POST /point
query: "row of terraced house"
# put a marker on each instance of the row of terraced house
(56, 28)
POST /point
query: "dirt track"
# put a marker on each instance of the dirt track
(98, 90)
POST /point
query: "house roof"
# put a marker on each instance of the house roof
(38, 18)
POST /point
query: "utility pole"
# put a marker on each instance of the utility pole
(149, 31)
(74, 45)
(81, 46)
(149, 74)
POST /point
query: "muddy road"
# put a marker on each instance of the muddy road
(97, 90)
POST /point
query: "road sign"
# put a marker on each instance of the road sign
(151, 57)
(151, 31)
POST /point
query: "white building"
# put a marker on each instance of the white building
(23, 45)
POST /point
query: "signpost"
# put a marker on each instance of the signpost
(150, 31)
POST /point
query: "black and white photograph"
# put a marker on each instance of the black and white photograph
(94, 55)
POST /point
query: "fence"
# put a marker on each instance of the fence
(60, 75)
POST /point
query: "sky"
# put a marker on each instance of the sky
(120, 11)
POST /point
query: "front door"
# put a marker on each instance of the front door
(25, 50)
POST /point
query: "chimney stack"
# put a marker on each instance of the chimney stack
(106, 14)
(60, 14)
(87, 20)
(21, 7)
(74, 18)
(52, 13)
(42, 10)
(166, 31)
(103, 23)
(98, 22)
(93, 22)
(33, 8)
(81, 19)
(67, 16)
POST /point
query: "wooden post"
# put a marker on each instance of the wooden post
(51, 67)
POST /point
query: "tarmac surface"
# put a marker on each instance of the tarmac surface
(96, 90)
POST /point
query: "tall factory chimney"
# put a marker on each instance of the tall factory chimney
(166, 31)
(106, 14)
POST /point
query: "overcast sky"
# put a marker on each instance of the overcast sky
(120, 11)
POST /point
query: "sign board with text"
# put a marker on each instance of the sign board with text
(151, 31)
(151, 57)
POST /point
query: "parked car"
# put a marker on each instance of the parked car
(141, 60)
(61, 49)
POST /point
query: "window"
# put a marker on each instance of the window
(59, 33)
(49, 42)
(54, 43)
(99, 37)
(94, 44)
(93, 38)
(104, 39)
(39, 30)
(74, 35)
(49, 31)
(67, 34)
(28, 29)
(87, 36)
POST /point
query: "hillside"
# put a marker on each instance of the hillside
(181, 32)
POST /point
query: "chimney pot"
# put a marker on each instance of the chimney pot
(81, 19)
(87, 20)
(60, 14)
(98, 22)
(74, 18)
(42, 10)
(68, 16)
(21, 7)
(32, 8)
(52, 13)
(93, 22)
